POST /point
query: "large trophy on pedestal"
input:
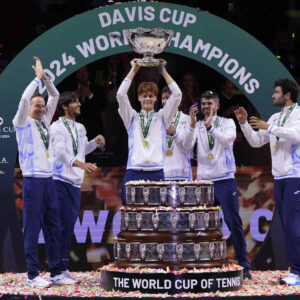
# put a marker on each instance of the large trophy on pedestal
(148, 42)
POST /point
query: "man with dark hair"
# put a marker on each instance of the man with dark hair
(177, 164)
(282, 131)
(70, 146)
(146, 129)
(215, 162)
(40, 206)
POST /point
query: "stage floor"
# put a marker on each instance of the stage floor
(262, 284)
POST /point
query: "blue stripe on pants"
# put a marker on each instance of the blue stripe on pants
(140, 175)
(287, 200)
(40, 210)
(226, 195)
(69, 204)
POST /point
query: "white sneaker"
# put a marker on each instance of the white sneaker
(67, 274)
(291, 279)
(38, 282)
(61, 280)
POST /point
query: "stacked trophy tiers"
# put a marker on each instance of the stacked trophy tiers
(170, 225)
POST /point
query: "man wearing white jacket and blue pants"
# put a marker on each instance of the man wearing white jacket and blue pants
(282, 131)
(40, 207)
(70, 146)
(215, 161)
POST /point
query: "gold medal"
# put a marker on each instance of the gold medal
(47, 154)
(276, 147)
(169, 152)
(210, 156)
(145, 143)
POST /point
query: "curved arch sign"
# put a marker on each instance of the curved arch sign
(98, 33)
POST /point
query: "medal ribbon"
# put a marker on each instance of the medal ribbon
(45, 138)
(74, 143)
(145, 129)
(171, 139)
(285, 118)
(211, 140)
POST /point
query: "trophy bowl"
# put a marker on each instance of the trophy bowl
(148, 42)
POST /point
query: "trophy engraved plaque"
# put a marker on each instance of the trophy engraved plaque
(146, 194)
(188, 252)
(148, 42)
(205, 251)
(132, 198)
(181, 194)
(160, 250)
(155, 220)
(139, 196)
(190, 192)
(127, 249)
(126, 219)
(217, 252)
(164, 221)
(211, 250)
(183, 222)
(128, 198)
(151, 252)
(163, 195)
(122, 252)
(192, 220)
(179, 250)
(116, 249)
(170, 253)
(199, 224)
(135, 252)
(206, 220)
(132, 221)
(217, 218)
(142, 250)
(174, 219)
(138, 220)
(122, 219)
(197, 251)
(154, 196)
(147, 223)
(198, 194)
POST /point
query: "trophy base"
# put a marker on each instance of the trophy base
(148, 62)
(164, 281)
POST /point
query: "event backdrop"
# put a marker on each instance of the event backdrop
(96, 34)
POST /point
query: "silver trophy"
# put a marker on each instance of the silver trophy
(148, 42)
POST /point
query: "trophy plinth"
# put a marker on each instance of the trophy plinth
(148, 42)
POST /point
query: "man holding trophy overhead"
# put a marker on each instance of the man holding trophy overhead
(147, 128)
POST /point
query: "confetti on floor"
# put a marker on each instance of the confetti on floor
(262, 284)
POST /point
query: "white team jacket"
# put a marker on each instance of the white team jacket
(178, 165)
(64, 154)
(222, 164)
(285, 160)
(151, 157)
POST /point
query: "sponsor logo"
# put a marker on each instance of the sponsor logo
(6, 130)
(3, 160)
